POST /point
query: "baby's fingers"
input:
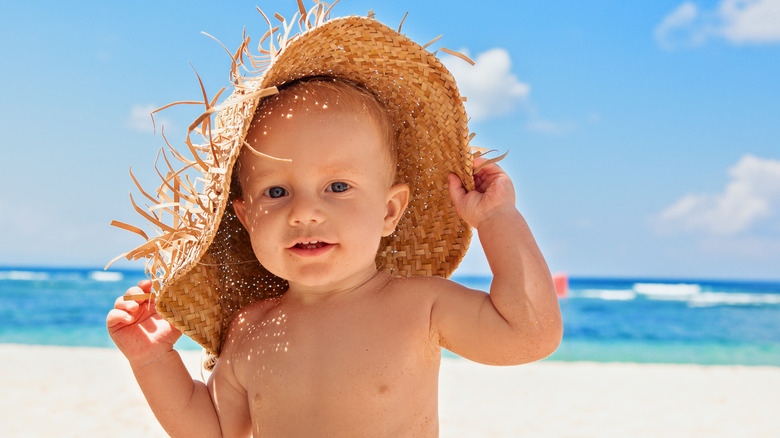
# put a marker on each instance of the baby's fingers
(142, 292)
(145, 286)
(118, 317)
(455, 187)
(134, 306)
(124, 312)
(136, 296)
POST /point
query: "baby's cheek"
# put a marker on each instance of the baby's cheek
(258, 212)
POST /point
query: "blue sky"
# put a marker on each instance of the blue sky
(643, 137)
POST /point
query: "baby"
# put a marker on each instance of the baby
(348, 349)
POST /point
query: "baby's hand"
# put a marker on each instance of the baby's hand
(494, 194)
(138, 330)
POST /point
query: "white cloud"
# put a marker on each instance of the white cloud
(736, 21)
(139, 119)
(746, 21)
(678, 27)
(751, 195)
(489, 85)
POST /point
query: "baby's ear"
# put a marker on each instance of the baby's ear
(397, 199)
(239, 206)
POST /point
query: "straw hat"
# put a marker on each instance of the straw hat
(201, 263)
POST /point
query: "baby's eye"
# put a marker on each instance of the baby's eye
(339, 187)
(275, 192)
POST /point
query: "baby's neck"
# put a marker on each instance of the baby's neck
(309, 295)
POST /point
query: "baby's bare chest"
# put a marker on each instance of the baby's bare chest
(362, 361)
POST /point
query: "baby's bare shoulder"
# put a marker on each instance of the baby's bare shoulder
(423, 288)
(426, 282)
(248, 318)
(258, 309)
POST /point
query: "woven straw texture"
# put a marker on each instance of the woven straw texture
(202, 264)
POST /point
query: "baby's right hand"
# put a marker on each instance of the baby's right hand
(136, 328)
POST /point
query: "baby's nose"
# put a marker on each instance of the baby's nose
(305, 209)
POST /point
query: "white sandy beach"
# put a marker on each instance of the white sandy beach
(85, 392)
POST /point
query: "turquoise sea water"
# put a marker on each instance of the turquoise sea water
(623, 320)
(669, 321)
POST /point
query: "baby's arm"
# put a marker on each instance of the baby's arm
(519, 321)
(182, 405)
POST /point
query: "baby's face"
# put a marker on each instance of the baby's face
(317, 221)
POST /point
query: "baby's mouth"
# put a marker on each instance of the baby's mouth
(310, 245)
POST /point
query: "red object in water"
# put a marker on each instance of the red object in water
(561, 283)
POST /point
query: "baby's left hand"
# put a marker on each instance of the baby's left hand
(494, 194)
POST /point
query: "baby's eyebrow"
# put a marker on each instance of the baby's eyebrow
(339, 170)
(326, 169)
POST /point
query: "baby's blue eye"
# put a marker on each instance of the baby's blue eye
(276, 192)
(339, 187)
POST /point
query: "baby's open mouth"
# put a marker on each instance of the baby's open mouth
(310, 245)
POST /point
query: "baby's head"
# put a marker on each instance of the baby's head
(316, 177)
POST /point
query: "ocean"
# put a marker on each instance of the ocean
(605, 319)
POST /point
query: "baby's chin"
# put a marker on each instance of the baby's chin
(323, 279)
